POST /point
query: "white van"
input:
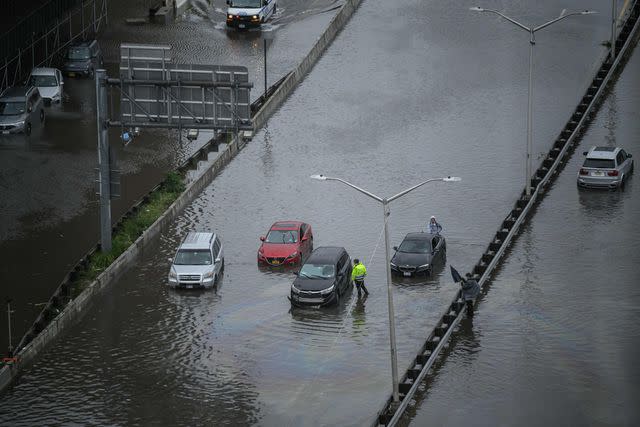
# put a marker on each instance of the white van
(249, 13)
(198, 262)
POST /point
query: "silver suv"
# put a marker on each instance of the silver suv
(605, 167)
(198, 262)
(20, 107)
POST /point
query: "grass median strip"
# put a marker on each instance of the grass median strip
(130, 230)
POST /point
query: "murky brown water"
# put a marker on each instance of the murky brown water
(48, 210)
(554, 340)
(391, 102)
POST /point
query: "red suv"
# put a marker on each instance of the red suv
(287, 243)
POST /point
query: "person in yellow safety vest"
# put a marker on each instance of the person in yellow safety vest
(358, 274)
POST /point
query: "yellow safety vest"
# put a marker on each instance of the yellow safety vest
(359, 272)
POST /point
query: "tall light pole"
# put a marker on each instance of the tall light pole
(532, 42)
(387, 247)
(614, 24)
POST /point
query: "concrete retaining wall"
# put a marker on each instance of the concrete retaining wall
(286, 88)
(78, 307)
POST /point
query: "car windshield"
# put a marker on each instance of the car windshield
(415, 247)
(11, 108)
(193, 257)
(317, 271)
(78, 53)
(247, 3)
(599, 163)
(43, 81)
(282, 236)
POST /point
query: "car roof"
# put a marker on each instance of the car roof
(419, 236)
(603, 152)
(82, 44)
(286, 225)
(326, 254)
(197, 240)
(43, 72)
(17, 92)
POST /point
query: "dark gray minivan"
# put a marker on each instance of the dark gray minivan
(83, 58)
(20, 108)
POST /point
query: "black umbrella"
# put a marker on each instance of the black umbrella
(456, 276)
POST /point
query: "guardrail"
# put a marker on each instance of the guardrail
(484, 269)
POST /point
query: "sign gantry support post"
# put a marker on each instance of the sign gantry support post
(104, 160)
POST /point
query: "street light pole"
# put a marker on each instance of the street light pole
(532, 42)
(387, 249)
(614, 24)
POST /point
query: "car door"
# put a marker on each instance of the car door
(341, 270)
(216, 256)
(624, 161)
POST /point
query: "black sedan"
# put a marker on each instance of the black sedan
(418, 253)
(323, 279)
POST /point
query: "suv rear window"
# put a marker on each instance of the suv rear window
(79, 53)
(599, 163)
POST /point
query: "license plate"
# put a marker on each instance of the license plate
(598, 173)
(275, 262)
(406, 273)
(240, 25)
(311, 300)
(5, 132)
(189, 286)
(72, 74)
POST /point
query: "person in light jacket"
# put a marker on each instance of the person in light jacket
(433, 227)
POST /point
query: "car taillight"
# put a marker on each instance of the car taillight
(612, 173)
(584, 172)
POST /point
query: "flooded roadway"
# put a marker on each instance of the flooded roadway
(391, 102)
(48, 210)
(555, 338)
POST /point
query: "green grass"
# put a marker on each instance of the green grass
(130, 230)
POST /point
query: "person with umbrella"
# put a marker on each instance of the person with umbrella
(470, 289)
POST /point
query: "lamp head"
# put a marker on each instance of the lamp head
(476, 9)
(588, 12)
(452, 179)
(319, 177)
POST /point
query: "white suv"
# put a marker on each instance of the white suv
(198, 263)
(605, 167)
(249, 13)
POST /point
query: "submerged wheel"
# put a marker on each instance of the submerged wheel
(27, 129)
(41, 116)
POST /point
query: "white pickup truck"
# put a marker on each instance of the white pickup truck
(249, 13)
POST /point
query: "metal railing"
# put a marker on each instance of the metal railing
(510, 227)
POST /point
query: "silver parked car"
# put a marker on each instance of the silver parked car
(20, 108)
(605, 167)
(49, 82)
(198, 262)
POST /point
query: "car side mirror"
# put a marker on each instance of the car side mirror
(29, 109)
(629, 156)
(218, 260)
(229, 2)
(584, 153)
(61, 83)
(296, 273)
(304, 238)
(395, 248)
(262, 238)
(170, 260)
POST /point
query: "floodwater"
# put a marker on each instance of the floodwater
(48, 207)
(555, 338)
(409, 90)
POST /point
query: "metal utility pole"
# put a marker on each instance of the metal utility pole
(9, 323)
(264, 43)
(614, 25)
(387, 249)
(104, 169)
(532, 42)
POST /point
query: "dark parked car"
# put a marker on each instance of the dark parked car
(418, 254)
(20, 108)
(323, 279)
(83, 58)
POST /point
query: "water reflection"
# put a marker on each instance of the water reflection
(602, 204)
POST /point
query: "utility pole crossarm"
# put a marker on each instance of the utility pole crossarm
(513, 21)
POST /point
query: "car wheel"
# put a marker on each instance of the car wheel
(41, 116)
(27, 129)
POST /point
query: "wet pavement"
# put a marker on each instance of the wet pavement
(554, 339)
(48, 207)
(393, 101)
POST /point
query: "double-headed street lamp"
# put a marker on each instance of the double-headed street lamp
(532, 42)
(386, 213)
